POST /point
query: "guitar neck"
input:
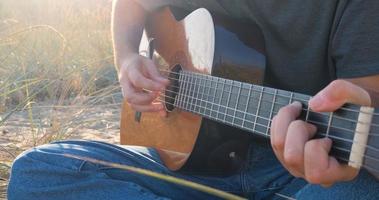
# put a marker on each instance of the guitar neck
(251, 107)
(247, 106)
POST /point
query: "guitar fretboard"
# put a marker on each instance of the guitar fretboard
(251, 107)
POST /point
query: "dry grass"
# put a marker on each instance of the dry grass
(57, 78)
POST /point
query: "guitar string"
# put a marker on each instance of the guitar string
(204, 77)
(264, 126)
(373, 134)
(232, 116)
(189, 74)
(366, 156)
(281, 104)
(320, 113)
(268, 121)
(320, 133)
(277, 103)
(253, 115)
(295, 98)
(334, 146)
(264, 118)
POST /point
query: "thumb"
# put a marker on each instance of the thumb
(153, 72)
(338, 93)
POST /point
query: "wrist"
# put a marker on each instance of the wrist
(121, 60)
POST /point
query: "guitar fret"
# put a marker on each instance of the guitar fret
(177, 98)
(236, 107)
(214, 98)
(329, 124)
(203, 82)
(307, 115)
(271, 111)
(189, 86)
(258, 107)
(206, 95)
(201, 98)
(221, 94)
(187, 97)
(192, 94)
(183, 88)
(227, 102)
(184, 91)
(247, 106)
(197, 80)
(291, 98)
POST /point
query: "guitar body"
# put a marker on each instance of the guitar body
(208, 45)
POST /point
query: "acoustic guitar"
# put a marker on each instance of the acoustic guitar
(217, 105)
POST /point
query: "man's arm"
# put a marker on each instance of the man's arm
(135, 72)
(354, 51)
(309, 158)
(128, 19)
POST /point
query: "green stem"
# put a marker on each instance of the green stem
(167, 178)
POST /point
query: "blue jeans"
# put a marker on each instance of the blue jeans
(43, 173)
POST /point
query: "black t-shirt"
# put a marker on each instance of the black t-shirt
(308, 43)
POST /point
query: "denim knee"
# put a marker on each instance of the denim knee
(37, 168)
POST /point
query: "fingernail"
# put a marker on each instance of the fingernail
(122, 92)
(160, 87)
(163, 79)
(315, 102)
(312, 128)
(328, 141)
(163, 88)
(297, 104)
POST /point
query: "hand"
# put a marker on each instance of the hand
(292, 140)
(136, 74)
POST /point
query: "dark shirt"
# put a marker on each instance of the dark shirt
(308, 43)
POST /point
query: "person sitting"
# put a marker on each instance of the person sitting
(329, 49)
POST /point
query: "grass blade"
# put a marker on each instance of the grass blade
(167, 178)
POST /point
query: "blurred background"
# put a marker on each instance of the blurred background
(57, 79)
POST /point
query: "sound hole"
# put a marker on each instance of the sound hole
(173, 88)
